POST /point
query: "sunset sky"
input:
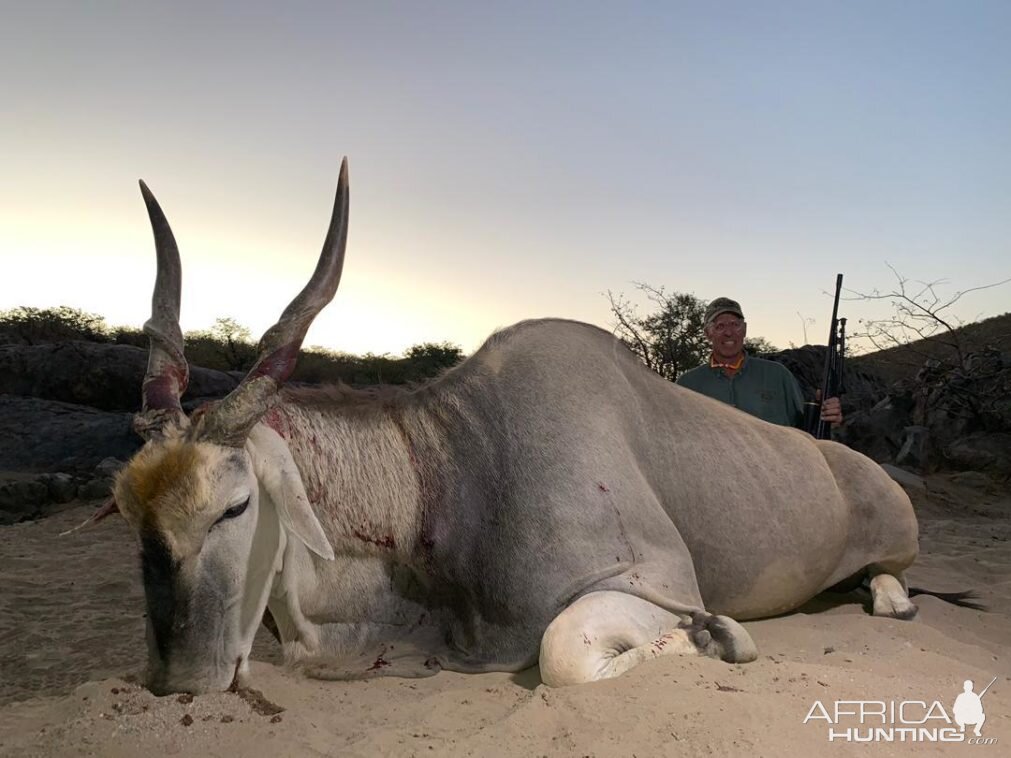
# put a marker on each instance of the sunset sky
(507, 160)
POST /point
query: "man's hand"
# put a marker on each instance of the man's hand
(831, 411)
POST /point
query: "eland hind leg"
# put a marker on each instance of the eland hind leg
(604, 634)
(889, 596)
(889, 593)
(883, 533)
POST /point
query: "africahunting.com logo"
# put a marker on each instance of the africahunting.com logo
(905, 720)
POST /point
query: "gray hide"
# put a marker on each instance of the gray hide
(552, 464)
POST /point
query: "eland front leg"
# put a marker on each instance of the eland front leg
(604, 634)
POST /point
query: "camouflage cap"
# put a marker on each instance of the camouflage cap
(722, 305)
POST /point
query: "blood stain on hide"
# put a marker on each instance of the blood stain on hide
(276, 420)
(427, 553)
(315, 493)
(379, 663)
(387, 541)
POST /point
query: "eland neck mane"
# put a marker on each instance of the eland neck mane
(373, 462)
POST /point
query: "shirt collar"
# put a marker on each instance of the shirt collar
(735, 366)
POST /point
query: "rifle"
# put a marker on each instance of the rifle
(832, 378)
(987, 687)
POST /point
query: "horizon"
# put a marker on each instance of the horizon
(506, 162)
(862, 351)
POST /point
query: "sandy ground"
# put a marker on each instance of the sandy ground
(72, 650)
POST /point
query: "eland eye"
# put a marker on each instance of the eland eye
(235, 510)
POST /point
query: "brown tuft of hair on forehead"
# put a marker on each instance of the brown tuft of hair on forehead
(154, 471)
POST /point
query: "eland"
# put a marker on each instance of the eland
(550, 500)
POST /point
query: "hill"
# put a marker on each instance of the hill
(904, 361)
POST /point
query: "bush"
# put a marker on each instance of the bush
(227, 346)
(318, 366)
(127, 335)
(430, 359)
(34, 326)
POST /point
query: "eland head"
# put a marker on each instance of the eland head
(211, 496)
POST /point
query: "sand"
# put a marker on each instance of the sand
(72, 653)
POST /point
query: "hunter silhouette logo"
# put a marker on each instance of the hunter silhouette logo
(904, 720)
(968, 707)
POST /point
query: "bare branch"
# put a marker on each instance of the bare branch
(668, 340)
(804, 321)
(625, 314)
(917, 314)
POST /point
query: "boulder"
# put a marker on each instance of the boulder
(981, 451)
(862, 388)
(24, 497)
(878, 431)
(108, 468)
(966, 409)
(62, 487)
(98, 375)
(976, 480)
(906, 479)
(45, 436)
(21, 499)
(95, 489)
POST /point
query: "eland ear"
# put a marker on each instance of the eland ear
(277, 473)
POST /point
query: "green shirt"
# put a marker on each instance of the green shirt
(762, 388)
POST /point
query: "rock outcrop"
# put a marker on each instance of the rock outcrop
(945, 417)
(98, 375)
(66, 411)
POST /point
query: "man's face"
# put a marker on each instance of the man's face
(726, 334)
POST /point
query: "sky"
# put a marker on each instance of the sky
(507, 160)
